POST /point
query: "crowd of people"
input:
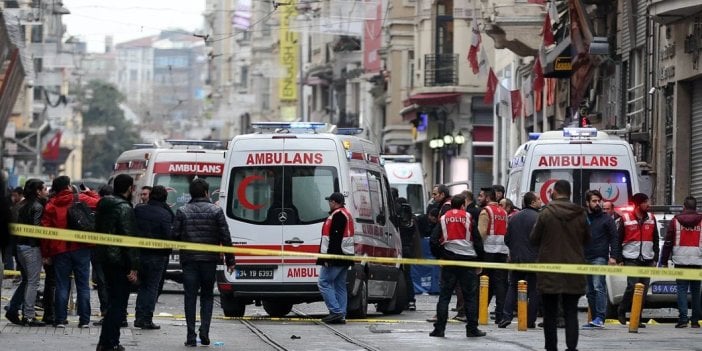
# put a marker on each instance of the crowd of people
(116, 271)
(487, 229)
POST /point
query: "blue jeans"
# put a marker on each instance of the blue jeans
(30, 257)
(198, 276)
(78, 263)
(17, 299)
(150, 277)
(597, 290)
(465, 278)
(118, 295)
(332, 286)
(694, 286)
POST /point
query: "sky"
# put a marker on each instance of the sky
(92, 20)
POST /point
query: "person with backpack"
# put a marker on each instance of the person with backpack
(70, 209)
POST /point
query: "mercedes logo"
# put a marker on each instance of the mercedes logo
(282, 216)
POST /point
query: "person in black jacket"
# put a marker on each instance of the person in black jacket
(603, 249)
(200, 221)
(154, 220)
(522, 251)
(5, 219)
(115, 215)
(28, 256)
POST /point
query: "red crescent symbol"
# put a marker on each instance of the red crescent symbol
(544, 191)
(409, 174)
(614, 199)
(241, 192)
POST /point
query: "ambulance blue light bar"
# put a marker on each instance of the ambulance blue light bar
(315, 126)
(534, 136)
(579, 132)
(349, 131)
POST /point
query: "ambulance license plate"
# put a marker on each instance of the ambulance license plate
(664, 288)
(255, 272)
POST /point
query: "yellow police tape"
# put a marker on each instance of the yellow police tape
(130, 241)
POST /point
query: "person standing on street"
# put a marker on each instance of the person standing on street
(492, 225)
(522, 251)
(337, 239)
(68, 258)
(458, 242)
(411, 246)
(682, 240)
(602, 250)
(115, 216)
(154, 220)
(200, 221)
(145, 194)
(561, 233)
(28, 256)
(638, 237)
(5, 219)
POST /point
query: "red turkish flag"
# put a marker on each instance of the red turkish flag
(516, 98)
(547, 31)
(539, 71)
(474, 46)
(51, 151)
(491, 87)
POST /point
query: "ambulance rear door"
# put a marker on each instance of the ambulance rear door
(607, 167)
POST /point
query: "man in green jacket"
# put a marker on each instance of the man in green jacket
(115, 215)
(560, 233)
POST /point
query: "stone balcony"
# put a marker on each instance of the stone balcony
(514, 25)
(667, 11)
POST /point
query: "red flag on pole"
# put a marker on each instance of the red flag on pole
(516, 98)
(539, 71)
(491, 87)
(474, 46)
(51, 151)
(547, 31)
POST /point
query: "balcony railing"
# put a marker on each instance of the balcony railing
(440, 70)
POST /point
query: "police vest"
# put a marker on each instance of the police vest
(496, 230)
(347, 242)
(456, 229)
(638, 239)
(687, 251)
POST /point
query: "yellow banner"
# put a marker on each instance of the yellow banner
(288, 53)
(131, 241)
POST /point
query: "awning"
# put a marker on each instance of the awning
(669, 11)
(409, 113)
(434, 99)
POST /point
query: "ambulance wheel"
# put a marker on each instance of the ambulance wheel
(359, 303)
(277, 308)
(399, 299)
(231, 306)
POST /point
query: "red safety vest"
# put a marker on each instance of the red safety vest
(687, 244)
(638, 239)
(456, 229)
(496, 230)
(347, 242)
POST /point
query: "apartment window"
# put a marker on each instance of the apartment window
(38, 93)
(37, 33)
(410, 68)
(265, 94)
(133, 75)
(244, 76)
(444, 27)
(38, 64)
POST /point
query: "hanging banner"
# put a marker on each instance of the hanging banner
(288, 54)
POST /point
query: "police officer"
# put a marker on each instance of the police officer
(458, 244)
(638, 237)
(492, 225)
(683, 240)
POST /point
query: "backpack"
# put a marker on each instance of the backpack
(79, 215)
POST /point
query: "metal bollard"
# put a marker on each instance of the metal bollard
(522, 305)
(636, 306)
(483, 305)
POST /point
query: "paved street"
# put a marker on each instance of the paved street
(408, 331)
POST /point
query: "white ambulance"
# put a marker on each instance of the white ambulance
(590, 160)
(407, 176)
(173, 164)
(273, 192)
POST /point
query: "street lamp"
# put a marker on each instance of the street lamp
(448, 139)
(436, 143)
(459, 139)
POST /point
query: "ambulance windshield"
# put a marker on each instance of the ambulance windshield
(615, 185)
(178, 187)
(280, 195)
